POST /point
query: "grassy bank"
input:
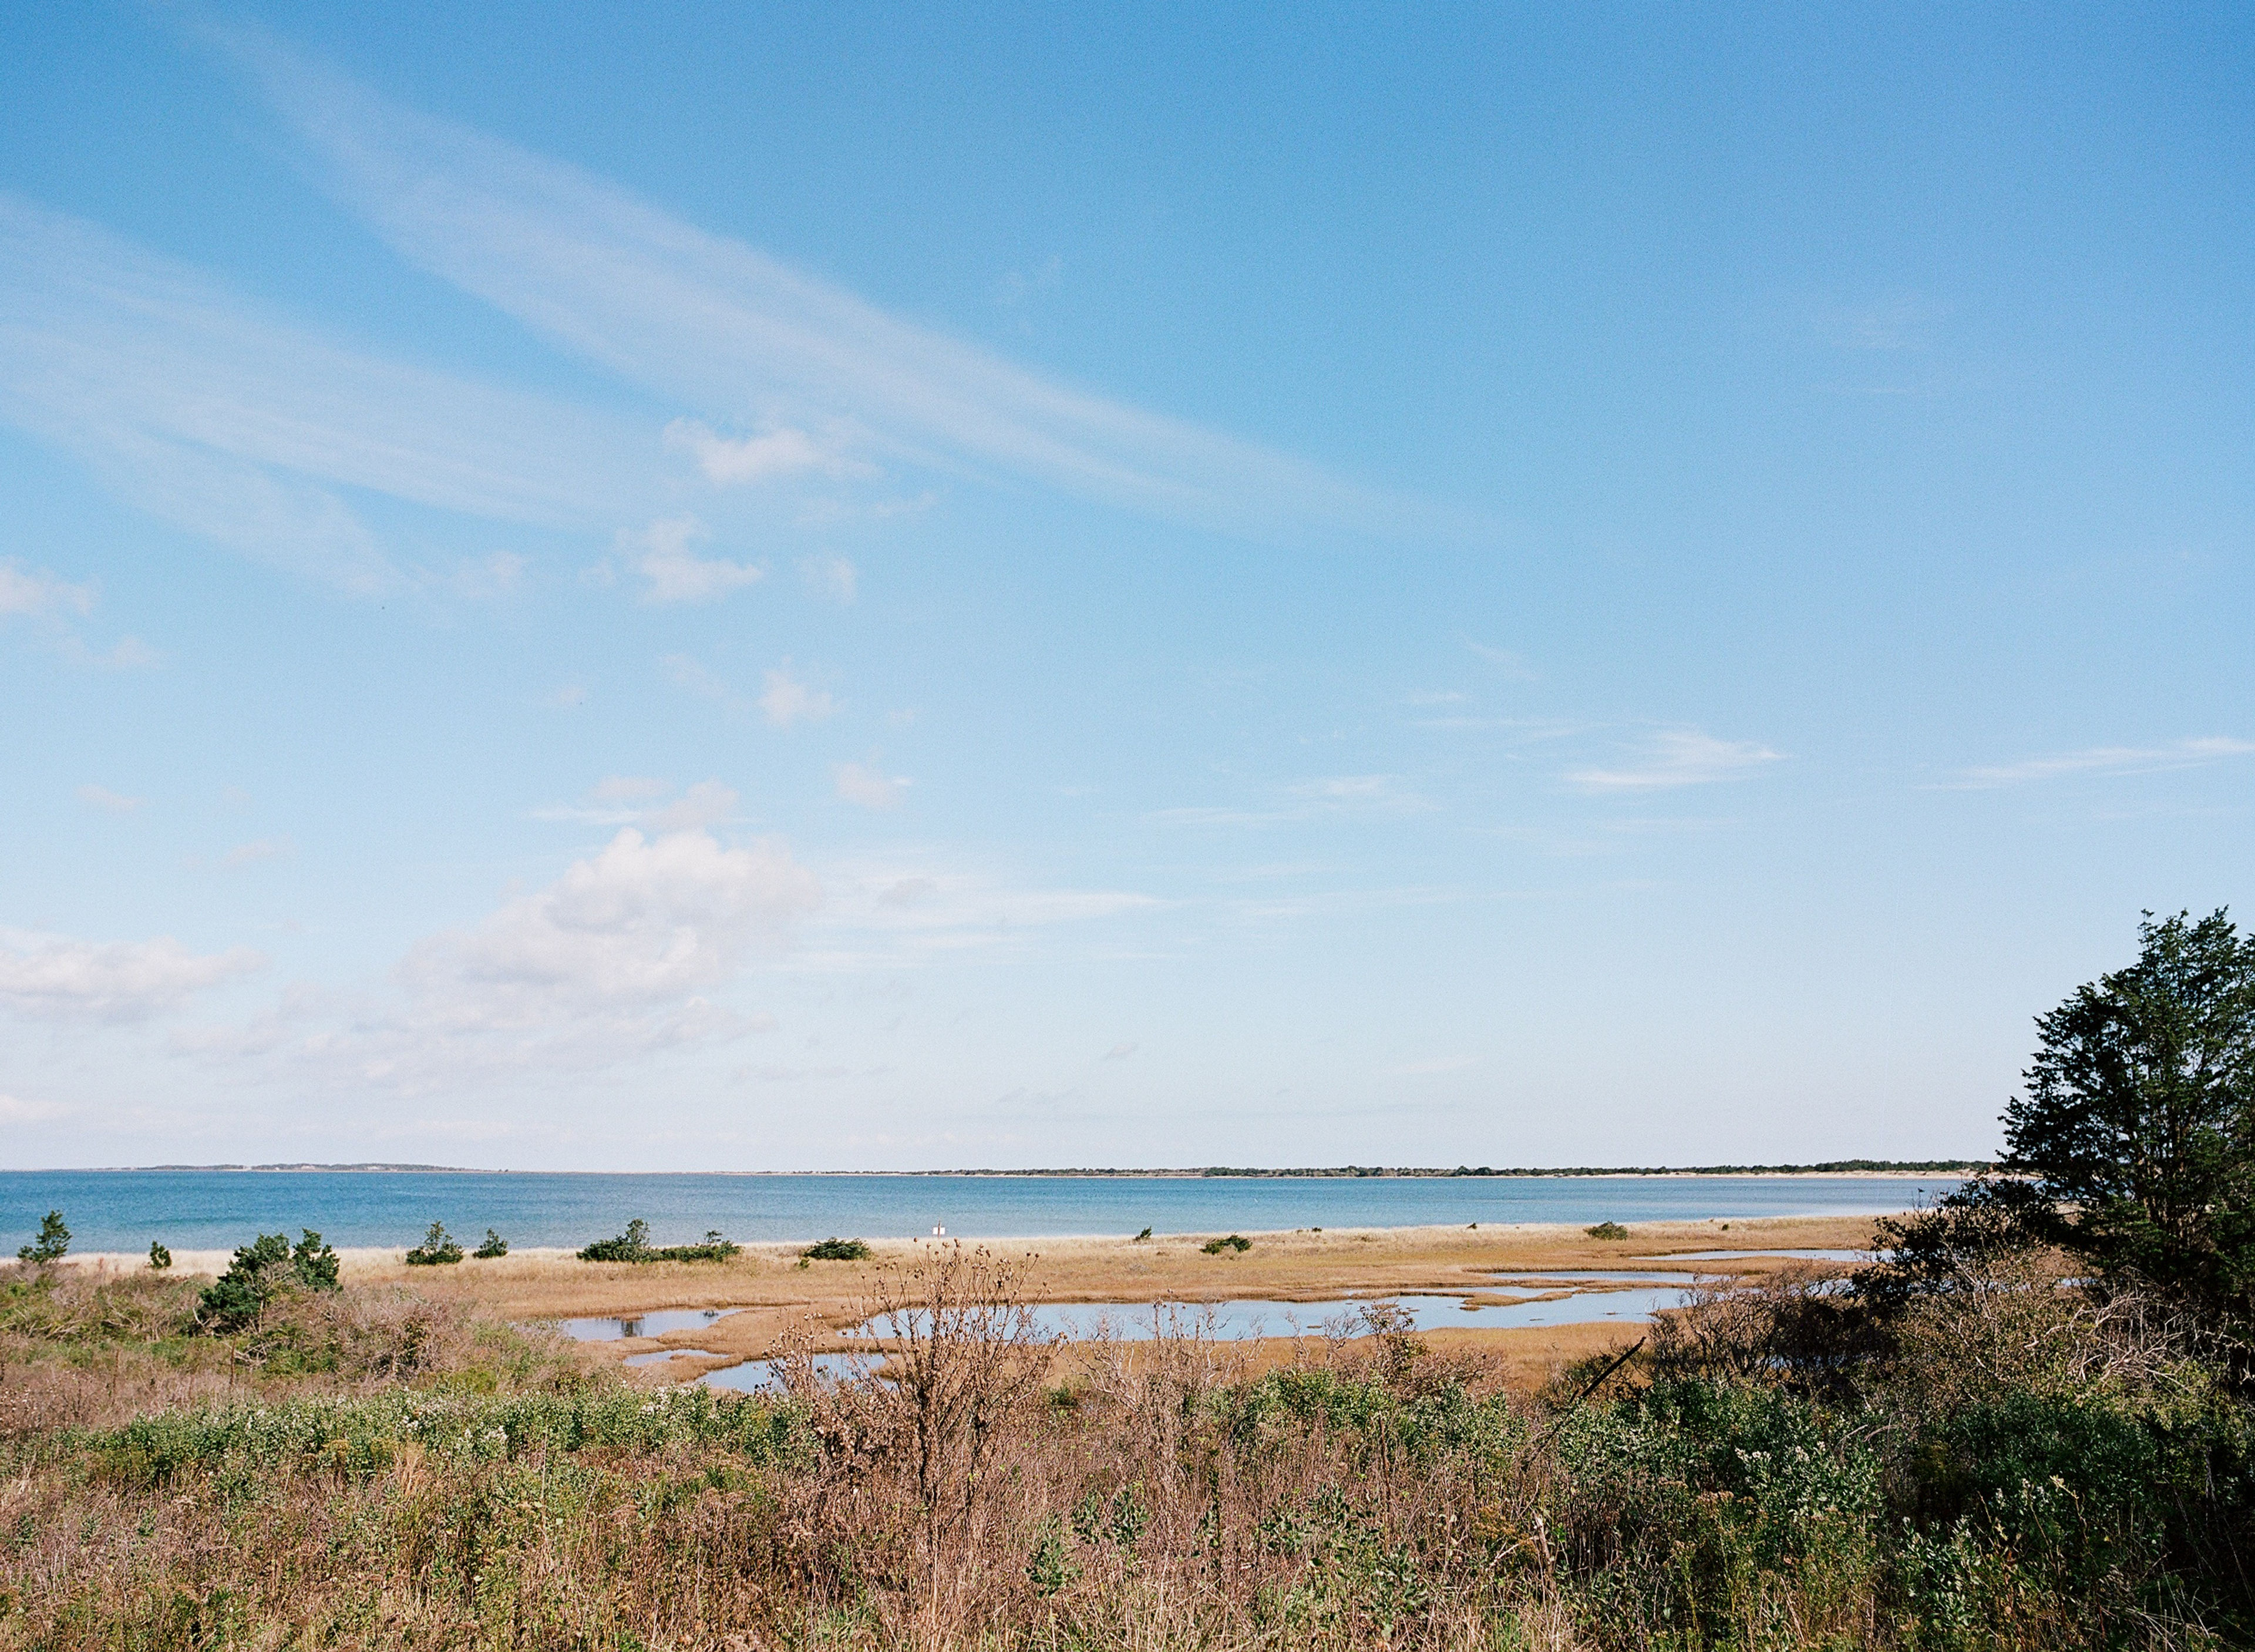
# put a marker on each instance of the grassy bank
(2024, 1467)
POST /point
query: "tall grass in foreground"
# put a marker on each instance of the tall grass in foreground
(2030, 1470)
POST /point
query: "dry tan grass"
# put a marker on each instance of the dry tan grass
(778, 1300)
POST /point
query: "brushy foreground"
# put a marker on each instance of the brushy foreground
(2015, 1464)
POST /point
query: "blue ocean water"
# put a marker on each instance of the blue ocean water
(202, 1210)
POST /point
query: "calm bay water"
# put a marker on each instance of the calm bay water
(200, 1210)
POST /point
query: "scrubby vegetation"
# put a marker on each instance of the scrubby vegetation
(2017, 1466)
(52, 1245)
(1236, 1244)
(438, 1250)
(1607, 1230)
(836, 1250)
(634, 1245)
(2018, 1429)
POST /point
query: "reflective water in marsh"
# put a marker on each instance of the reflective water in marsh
(664, 1355)
(1235, 1321)
(763, 1374)
(1744, 1255)
(618, 1327)
(1555, 1279)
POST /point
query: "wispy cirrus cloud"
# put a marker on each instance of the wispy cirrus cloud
(1331, 796)
(2103, 761)
(38, 592)
(199, 407)
(868, 785)
(1679, 757)
(109, 802)
(719, 325)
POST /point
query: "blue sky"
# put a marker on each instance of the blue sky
(843, 587)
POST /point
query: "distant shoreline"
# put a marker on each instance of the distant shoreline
(1834, 1169)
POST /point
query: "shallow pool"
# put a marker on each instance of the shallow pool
(1746, 1256)
(617, 1328)
(661, 1356)
(766, 1374)
(1566, 1278)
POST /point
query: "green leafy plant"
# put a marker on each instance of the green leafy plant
(53, 1240)
(1607, 1230)
(838, 1250)
(160, 1258)
(261, 1272)
(436, 1250)
(495, 1246)
(1236, 1243)
(631, 1246)
(634, 1245)
(1140, 1237)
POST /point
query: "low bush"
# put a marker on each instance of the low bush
(634, 1245)
(436, 1250)
(1237, 1244)
(631, 1246)
(495, 1245)
(2061, 1474)
(838, 1250)
(1607, 1230)
(261, 1272)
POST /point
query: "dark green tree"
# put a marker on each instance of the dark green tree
(436, 1250)
(53, 1240)
(261, 1272)
(495, 1246)
(160, 1256)
(2137, 1131)
(631, 1246)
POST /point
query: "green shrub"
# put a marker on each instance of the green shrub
(495, 1246)
(1236, 1242)
(1607, 1230)
(634, 1245)
(160, 1258)
(836, 1250)
(261, 1271)
(53, 1240)
(436, 1250)
(631, 1246)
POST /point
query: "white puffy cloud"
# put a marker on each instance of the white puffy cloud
(707, 803)
(787, 701)
(644, 921)
(781, 452)
(56, 978)
(1679, 757)
(869, 786)
(661, 553)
